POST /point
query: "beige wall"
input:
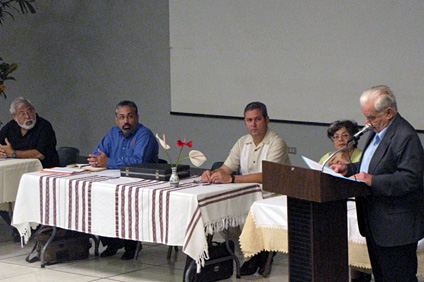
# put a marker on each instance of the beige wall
(77, 59)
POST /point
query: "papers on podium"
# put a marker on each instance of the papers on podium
(328, 170)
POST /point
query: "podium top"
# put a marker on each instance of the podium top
(309, 184)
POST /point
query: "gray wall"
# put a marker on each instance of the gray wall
(77, 59)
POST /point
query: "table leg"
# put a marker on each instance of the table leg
(43, 251)
(10, 210)
(230, 251)
(231, 256)
(190, 268)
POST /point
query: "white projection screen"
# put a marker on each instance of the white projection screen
(308, 61)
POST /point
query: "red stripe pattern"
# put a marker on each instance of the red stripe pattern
(78, 195)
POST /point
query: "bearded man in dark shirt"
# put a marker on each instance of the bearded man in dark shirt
(28, 136)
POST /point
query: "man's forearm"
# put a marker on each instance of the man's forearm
(29, 154)
(249, 178)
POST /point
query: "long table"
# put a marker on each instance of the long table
(11, 171)
(266, 229)
(102, 203)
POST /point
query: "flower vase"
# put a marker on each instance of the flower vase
(174, 180)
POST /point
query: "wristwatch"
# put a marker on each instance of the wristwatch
(14, 154)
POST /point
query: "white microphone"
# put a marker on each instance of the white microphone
(358, 134)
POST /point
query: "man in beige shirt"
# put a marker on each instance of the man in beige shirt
(250, 150)
(246, 156)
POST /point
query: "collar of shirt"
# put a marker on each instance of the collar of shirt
(264, 141)
(132, 133)
(380, 136)
(372, 147)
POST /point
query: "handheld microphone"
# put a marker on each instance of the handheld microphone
(358, 134)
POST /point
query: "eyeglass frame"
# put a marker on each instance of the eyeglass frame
(344, 136)
(23, 114)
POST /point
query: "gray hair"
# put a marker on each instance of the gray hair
(383, 95)
(18, 103)
(126, 103)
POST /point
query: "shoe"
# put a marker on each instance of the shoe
(109, 252)
(262, 263)
(365, 277)
(128, 254)
(16, 238)
(250, 267)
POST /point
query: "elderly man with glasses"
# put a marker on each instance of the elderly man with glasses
(28, 136)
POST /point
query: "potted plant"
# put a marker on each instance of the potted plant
(6, 6)
(5, 71)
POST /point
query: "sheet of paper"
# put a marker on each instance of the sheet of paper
(92, 168)
(63, 170)
(328, 170)
(86, 167)
(77, 165)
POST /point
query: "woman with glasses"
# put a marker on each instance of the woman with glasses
(340, 132)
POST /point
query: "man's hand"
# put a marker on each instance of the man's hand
(337, 159)
(98, 160)
(2, 154)
(206, 176)
(219, 176)
(6, 150)
(340, 168)
(362, 176)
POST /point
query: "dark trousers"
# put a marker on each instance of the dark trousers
(117, 243)
(393, 264)
(6, 217)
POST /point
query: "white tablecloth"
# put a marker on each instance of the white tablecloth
(266, 229)
(105, 204)
(11, 171)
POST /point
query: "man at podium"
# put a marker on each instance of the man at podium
(391, 218)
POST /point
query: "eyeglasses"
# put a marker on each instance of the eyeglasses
(25, 113)
(373, 117)
(343, 136)
(129, 116)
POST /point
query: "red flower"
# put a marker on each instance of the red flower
(181, 144)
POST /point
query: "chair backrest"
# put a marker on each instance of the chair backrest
(68, 155)
(216, 165)
(162, 161)
(219, 164)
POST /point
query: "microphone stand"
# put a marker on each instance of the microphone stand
(353, 139)
(332, 155)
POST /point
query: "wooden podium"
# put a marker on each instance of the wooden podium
(317, 220)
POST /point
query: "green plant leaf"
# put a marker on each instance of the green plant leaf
(11, 68)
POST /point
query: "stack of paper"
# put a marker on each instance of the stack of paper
(62, 170)
(86, 167)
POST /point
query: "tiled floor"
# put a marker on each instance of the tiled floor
(152, 265)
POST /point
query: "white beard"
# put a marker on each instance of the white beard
(28, 127)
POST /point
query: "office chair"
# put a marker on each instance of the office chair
(67, 155)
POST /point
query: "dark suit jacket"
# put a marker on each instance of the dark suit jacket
(394, 212)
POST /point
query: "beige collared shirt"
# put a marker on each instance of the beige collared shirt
(272, 148)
